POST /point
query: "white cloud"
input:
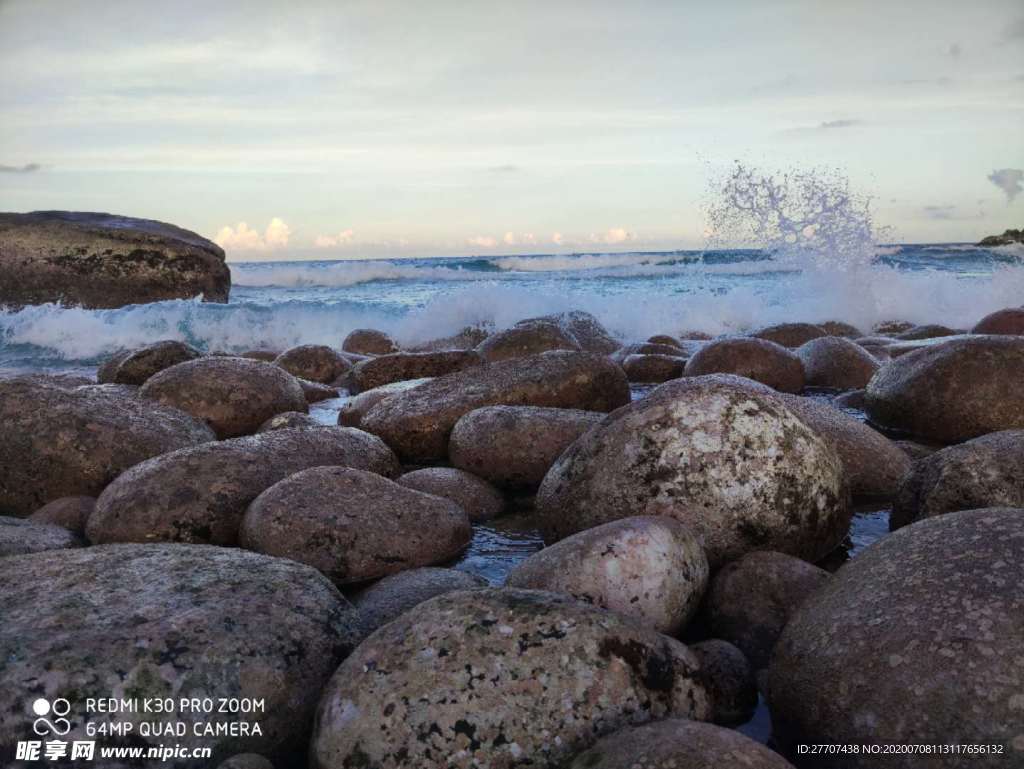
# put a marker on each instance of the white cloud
(612, 236)
(482, 241)
(241, 238)
(523, 239)
(1009, 181)
(330, 241)
(557, 238)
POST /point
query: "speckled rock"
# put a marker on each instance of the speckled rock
(400, 366)
(1009, 321)
(588, 331)
(931, 331)
(136, 366)
(19, 536)
(369, 341)
(528, 338)
(917, 451)
(267, 356)
(985, 472)
(514, 446)
(61, 442)
(730, 681)
(417, 423)
(499, 678)
(854, 399)
(719, 453)
(353, 525)
(477, 497)
(647, 348)
(386, 599)
(466, 339)
(900, 348)
(693, 335)
(246, 761)
(758, 359)
(653, 368)
(836, 363)
(650, 569)
(952, 391)
(751, 599)
(875, 466)
(677, 743)
(315, 392)
(315, 362)
(789, 334)
(234, 396)
(101, 260)
(840, 328)
(288, 419)
(156, 621)
(69, 512)
(351, 414)
(666, 339)
(918, 640)
(890, 327)
(200, 494)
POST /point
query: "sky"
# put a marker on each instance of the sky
(368, 129)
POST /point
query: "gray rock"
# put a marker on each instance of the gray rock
(69, 512)
(477, 497)
(19, 536)
(729, 679)
(836, 363)
(758, 359)
(134, 367)
(315, 362)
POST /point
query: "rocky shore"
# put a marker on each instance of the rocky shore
(182, 527)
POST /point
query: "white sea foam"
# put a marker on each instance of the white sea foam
(339, 274)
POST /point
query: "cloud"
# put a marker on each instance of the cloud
(508, 168)
(523, 239)
(557, 238)
(942, 213)
(25, 169)
(613, 236)
(482, 241)
(241, 238)
(330, 241)
(844, 123)
(1009, 181)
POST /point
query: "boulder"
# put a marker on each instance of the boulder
(758, 359)
(417, 423)
(61, 442)
(402, 366)
(316, 392)
(101, 260)
(719, 453)
(836, 363)
(514, 446)
(789, 334)
(267, 356)
(525, 339)
(916, 450)
(390, 597)
(234, 396)
(587, 331)
(477, 497)
(854, 399)
(136, 366)
(288, 419)
(648, 348)
(200, 494)
(729, 679)
(875, 466)
(840, 328)
(665, 339)
(677, 743)
(690, 334)
(917, 640)
(1008, 321)
(652, 570)
(466, 339)
(891, 327)
(315, 362)
(984, 472)
(352, 412)
(952, 391)
(751, 599)
(1009, 237)
(930, 331)
(499, 678)
(170, 621)
(653, 368)
(69, 512)
(369, 341)
(19, 536)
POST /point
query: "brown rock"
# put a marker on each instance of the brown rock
(648, 348)
(757, 359)
(839, 328)
(890, 327)
(369, 341)
(653, 368)
(789, 334)
(287, 420)
(466, 339)
(267, 356)
(729, 679)
(587, 330)
(401, 366)
(477, 497)
(854, 399)
(1009, 321)
(136, 366)
(352, 412)
(315, 362)
(526, 339)
(932, 331)
(665, 339)
(69, 512)
(916, 450)
(694, 335)
(836, 363)
(315, 392)
(19, 536)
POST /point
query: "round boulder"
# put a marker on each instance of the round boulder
(758, 359)
(531, 338)
(930, 331)
(352, 412)
(287, 420)
(719, 453)
(789, 334)
(477, 497)
(316, 392)
(650, 569)
(19, 536)
(729, 679)
(665, 339)
(369, 341)
(401, 366)
(836, 363)
(499, 678)
(136, 366)
(653, 368)
(840, 328)
(917, 640)
(234, 396)
(69, 512)
(315, 362)
(1009, 321)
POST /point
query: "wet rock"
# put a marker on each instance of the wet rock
(1009, 321)
(652, 570)
(653, 368)
(930, 331)
(316, 392)
(587, 330)
(729, 679)
(417, 423)
(246, 761)
(751, 599)
(477, 497)
(758, 359)
(352, 412)
(890, 327)
(719, 453)
(499, 677)
(267, 356)
(234, 396)
(874, 465)
(288, 420)
(403, 366)
(353, 525)
(665, 339)
(839, 328)
(100, 260)
(466, 339)
(526, 339)
(647, 348)
(200, 494)
(689, 334)
(916, 450)
(369, 341)
(136, 366)
(952, 391)
(514, 446)
(315, 362)
(854, 399)
(19, 536)
(877, 346)
(170, 621)
(984, 472)
(388, 598)
(917, 640)
(836, 363)
(789, 334)
(61, 442)
(900, 348)
(677, 743)
(69, 512)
